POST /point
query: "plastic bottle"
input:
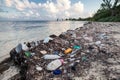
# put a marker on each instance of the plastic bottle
(56, 52)
(98, 42)
(50, 56)
(18, 49)
(73, 53)
(69, 50)
(38, 68)
(55, 64)
(77, 47)
(27, 53)
(43, 52)
(24, 47)
(57, 72)
(46, 40)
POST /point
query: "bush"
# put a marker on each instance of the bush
(110, 19)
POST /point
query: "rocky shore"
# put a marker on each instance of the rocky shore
(90, 52)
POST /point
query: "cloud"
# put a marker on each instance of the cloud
(1, 10)
(50, 7)
(47, 10)
(9, 3)
(63, 4)
(78, 7)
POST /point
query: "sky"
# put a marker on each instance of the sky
(47, 9)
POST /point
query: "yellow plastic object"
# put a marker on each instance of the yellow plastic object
(67, 51)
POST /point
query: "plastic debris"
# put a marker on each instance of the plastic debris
(73, 53)
(77, 47)
(67, 51)
(46, 40)
(98, 42)
(27, 53)
(18, 48)
(38, 68)
(56, 52)
(24, 47)
(55, 64)
(87, 49)
(32, 54)
(51, 56)
(43, 52)
(57, 72)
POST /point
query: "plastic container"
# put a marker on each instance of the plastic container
(67, 51)
(77, 47)
(57, 72)
(46, 40)
(73, 53)
(38, 68)
(18, 49)
(24, 47)
(98, 42)
(43, 52)
(27, 53)
(56, 52)
(51, 56)
(55, 64)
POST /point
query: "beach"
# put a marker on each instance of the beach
(104, 65)
(15, 32)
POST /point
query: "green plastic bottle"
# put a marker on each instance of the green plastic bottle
(27, 53)
(77, 47)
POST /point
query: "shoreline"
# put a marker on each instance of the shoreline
(112, 29)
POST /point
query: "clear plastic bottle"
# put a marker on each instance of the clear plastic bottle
(50, 56)
(55, 64)
(18, 48)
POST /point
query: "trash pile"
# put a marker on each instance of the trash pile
(65, 56)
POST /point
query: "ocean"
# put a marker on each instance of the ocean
(14, 32)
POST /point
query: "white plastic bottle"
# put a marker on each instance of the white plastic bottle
(24, 47)
(46, 40)
(55, 64)
(51, 56)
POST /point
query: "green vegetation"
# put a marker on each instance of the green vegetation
(109, 11)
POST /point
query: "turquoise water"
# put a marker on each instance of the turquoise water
(14, 32)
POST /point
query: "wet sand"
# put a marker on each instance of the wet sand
(98, 71)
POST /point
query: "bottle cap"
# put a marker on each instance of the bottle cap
(62, 61)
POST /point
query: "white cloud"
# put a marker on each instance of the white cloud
(31, 12)
(27, 14)
(49, 9)
(78, 7)
(27, 3)
(67, 14)
(33, 5)
(9, 3)
(37, 14)
(19, 5)
(63, 4)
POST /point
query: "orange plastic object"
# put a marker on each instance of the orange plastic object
(67, 51)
